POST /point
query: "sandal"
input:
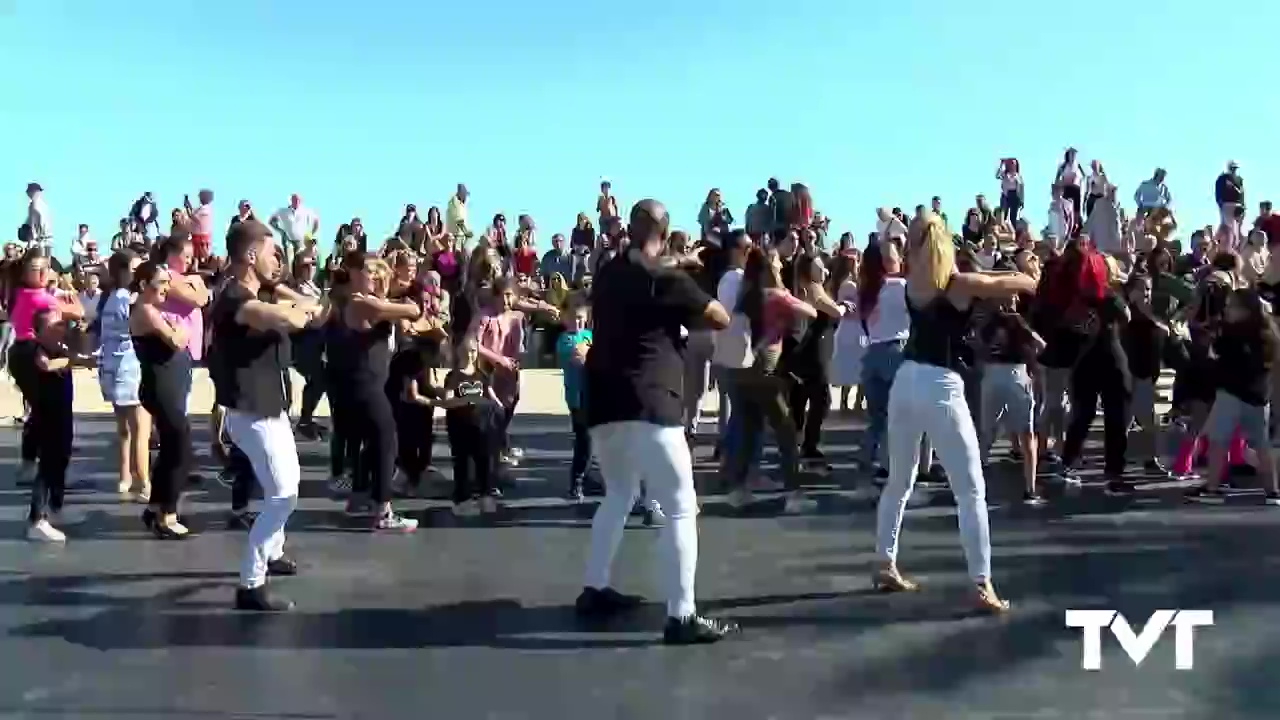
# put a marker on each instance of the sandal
(889, 580)
(985, 600)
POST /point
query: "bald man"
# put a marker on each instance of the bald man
(297, 224)
(634, 385)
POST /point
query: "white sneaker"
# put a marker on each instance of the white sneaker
(798, 502)
(488, 505)
(42, 531)
(516, 453)
(740, 498)
(468, 508)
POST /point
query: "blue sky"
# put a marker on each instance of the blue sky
(362, 107)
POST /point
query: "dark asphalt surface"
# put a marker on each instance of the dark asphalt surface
(466, 621)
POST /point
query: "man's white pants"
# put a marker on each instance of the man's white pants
(630, 453)
(269, 445)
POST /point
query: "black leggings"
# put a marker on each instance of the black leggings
(810, 399)
(344, 443)
(581, 448)
(167, 406)
(22, 366)
(54, 416)
(308, 356)
(415, 434)
(473, 443)
(1088, 385)
(374, 426)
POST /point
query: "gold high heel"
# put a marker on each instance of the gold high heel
(985, 600)
(890, 580)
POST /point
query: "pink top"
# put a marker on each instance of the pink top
(26, 302)
(203, 217)
(190, 319)
(501, 334)
(780, 310)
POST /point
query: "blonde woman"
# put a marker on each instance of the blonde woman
(928, 397)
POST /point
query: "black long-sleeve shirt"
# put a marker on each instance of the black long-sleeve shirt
(1229, 189)
(1242, 364)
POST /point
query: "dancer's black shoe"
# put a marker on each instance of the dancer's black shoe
(259, 599)
(600, 604)
(697, 630)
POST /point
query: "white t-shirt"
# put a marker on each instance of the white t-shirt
(733, 344)
(296, 224)
(889, 320)
(89, 301)
(891, 228)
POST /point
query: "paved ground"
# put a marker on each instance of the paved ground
(467, 621)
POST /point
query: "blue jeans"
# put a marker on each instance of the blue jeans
(879, 366)
(733, 436)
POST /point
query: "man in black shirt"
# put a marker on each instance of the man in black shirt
(634, 399)
(249, 359)
(783, 203)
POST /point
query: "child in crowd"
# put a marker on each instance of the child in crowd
(473, 412)
(1009, 347)
(498, 333)
(571, 355)
(414, 391)
(1244, 353)
(52, 410)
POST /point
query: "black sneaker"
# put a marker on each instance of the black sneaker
(1119, 488)
(283, 566)
(598, 604)
(1032, 499)
(879, 475)
(1203, 494)
(259, 599)
(1067, 476)
(697, 630)
(310, 430)
(241, 520)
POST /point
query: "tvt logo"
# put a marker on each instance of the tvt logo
(1138, 646)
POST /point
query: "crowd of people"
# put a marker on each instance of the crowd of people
(955, 338)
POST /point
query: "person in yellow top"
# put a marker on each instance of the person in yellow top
(455, 220)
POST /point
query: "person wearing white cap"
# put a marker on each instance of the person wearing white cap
(1229, 193)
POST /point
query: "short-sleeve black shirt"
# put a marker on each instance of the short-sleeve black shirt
(247, 366)
(635, 369)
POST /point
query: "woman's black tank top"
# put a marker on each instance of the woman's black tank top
(360, 357)
(938, 333)
(164, 370)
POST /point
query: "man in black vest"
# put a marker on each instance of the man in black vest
(634, 382)
(250, 356)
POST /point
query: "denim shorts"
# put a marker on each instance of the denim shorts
(1230, 412)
